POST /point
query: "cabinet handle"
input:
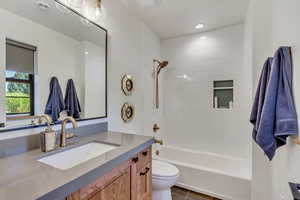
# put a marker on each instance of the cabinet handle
(146, 171)
(145, 153)
(135, 160)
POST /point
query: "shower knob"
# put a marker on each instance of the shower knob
(156, 128)
(159, 142)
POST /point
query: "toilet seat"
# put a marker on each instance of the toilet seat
(163, 170)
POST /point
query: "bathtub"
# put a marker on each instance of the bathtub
(219, 176)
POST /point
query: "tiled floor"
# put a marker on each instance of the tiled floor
(183, 194)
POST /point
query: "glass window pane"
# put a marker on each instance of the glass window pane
(223, 98)
(17, 105)
(14, 89)
(17, 75)
(228, 83)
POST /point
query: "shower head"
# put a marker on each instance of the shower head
(161, 64)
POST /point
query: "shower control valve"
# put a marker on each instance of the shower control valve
(156, 128)
(159, 142)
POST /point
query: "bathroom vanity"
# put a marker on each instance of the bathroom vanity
(122, 173)
(130, 180)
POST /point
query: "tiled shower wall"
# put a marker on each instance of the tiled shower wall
(191, 122)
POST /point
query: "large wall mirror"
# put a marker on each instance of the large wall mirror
(45, 46)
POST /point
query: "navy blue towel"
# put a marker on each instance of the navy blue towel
(277, 117)
(260, 97)
(71, 100)
(55, 103)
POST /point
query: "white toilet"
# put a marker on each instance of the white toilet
(164, 176)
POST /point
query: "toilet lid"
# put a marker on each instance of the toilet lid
(163, 169)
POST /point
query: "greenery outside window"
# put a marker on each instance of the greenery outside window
(19, 93)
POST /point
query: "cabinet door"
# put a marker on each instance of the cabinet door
(120, 189)
(144, 183)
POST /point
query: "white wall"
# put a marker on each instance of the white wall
(190, 120)
(275, 23)
(257, 26)
(132, 47)
(286, 31)
(94, 82)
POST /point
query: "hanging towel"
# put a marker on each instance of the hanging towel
(71, 100)
(260, 97)
(55, 103)
(278, 117)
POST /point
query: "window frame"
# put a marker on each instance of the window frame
(29, 81)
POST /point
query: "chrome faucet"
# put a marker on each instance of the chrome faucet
(63, 134)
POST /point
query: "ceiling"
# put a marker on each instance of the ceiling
(67, 23)
(174, 18)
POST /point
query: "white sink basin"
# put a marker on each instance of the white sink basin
(75, 156)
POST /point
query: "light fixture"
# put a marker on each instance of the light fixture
(203, 37)
(92, 11)
(199, 26)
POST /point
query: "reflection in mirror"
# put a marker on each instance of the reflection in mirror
(39, 44)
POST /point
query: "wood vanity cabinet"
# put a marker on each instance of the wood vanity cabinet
(132, 180)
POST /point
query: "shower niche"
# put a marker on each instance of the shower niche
(223, 94)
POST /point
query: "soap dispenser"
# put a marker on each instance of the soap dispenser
(48, 136)
(48, 140)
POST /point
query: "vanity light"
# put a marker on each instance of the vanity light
(199, 26)
(92, 11)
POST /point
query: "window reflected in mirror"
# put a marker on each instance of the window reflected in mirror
(19, 84)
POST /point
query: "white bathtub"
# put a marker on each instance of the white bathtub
(211, 174)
